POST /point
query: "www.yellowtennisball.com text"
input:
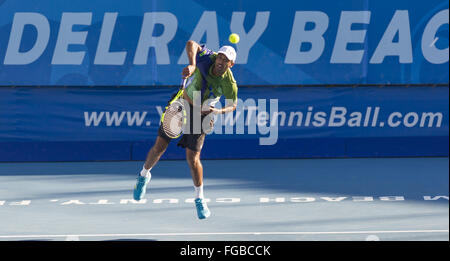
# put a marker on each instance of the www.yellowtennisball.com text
(263, 117)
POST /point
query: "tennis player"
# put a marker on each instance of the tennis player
(208, 74)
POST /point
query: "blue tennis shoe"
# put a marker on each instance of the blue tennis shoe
(140, 187)
(202, 209)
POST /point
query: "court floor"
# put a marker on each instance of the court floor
(386, 199)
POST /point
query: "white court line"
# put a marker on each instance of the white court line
(231, 233)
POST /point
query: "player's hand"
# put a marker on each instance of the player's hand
(211, 110)
(188, 71)
(206, 111)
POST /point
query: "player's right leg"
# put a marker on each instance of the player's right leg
(193, 143)
(155, 153)
(153, 157)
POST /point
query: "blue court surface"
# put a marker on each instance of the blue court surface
(386, 199)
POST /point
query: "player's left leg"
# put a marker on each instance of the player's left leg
(196, 167)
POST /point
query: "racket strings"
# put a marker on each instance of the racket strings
(173, 120)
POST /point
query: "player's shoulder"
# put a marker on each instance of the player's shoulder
(230, 81)
(205, 51)
(230, 76)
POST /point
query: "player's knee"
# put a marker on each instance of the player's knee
(160, 146)
(158, 149)
(193, 158)
(161, 149)
(197, 163)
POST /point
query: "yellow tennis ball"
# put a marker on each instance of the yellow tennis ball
(234, 38)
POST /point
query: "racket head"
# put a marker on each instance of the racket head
(174, 119)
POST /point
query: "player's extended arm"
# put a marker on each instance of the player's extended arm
(227, 109)
(192, 48)
(211, 109)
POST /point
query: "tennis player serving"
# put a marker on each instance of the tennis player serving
(209, 75)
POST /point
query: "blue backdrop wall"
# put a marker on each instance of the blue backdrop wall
(111, 123)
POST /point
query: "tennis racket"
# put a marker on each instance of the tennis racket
(173, 120)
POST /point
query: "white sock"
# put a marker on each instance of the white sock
(199, 192)
(145, 172)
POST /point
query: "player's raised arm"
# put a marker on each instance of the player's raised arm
(192, 48)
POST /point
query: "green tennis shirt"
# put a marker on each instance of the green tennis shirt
(216, 85)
